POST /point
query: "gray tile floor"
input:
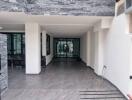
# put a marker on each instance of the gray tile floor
(59, 81)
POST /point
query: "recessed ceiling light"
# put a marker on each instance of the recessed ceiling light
(1, 28)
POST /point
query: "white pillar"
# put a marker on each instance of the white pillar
(44, 43)
(99, 52)
(33, 53)
(88, 46)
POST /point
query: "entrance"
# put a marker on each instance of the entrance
(16, 50)
(67, 47)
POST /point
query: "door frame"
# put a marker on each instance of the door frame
(66, 39)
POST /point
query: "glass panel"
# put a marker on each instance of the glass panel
(76, 48)
(17, 43)
(48, 44)
(64, 48)
(61, 48)
(70, 48)
(67, 47)
(9, 44)
(58, 48)
(128, 3)
(23, 44)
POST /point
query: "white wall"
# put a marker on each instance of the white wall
(11, 31)
(130, 72)
(92, 50)
(96, 60)
(99, 51)
(32, 41)
(88, 47)
(117, 47)
(50, 57)
(113, 48)
(83, 48)
(43, 43)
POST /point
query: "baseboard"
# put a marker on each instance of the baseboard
(83, 62)
(86, 64)
(50, 61)
(33, 73)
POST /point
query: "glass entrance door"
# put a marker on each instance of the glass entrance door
(66, 47)
(61, 48)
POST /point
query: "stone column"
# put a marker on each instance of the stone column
(4, 68)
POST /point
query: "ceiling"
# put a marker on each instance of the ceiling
(12, 27)
(56, 25)
(66, 30)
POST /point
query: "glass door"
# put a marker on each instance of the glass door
(70, 48)
(16, 44)
(61, 48)
(66, 47)
(16, 49)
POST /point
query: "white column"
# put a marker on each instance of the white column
(99, 52)
(100, 30)
(33, 53)
(88, 46)
(44, 43)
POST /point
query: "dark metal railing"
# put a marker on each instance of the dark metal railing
(0, 64)
(131, 77)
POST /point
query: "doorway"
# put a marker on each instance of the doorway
(15, 50)
(67, 47)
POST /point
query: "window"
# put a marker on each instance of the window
(16, 43)
(128, 3)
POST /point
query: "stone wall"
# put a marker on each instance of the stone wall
(4, 71)
(60, 7)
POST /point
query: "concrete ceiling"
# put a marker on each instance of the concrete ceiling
(66, 30)
(12, 27)
(56, 25)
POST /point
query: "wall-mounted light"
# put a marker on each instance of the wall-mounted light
(1, 28)
(117, 0)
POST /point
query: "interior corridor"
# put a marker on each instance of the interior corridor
(60, 81)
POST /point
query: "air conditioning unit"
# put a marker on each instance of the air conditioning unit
(128, 6)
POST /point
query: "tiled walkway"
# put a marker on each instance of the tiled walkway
(60, 81)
